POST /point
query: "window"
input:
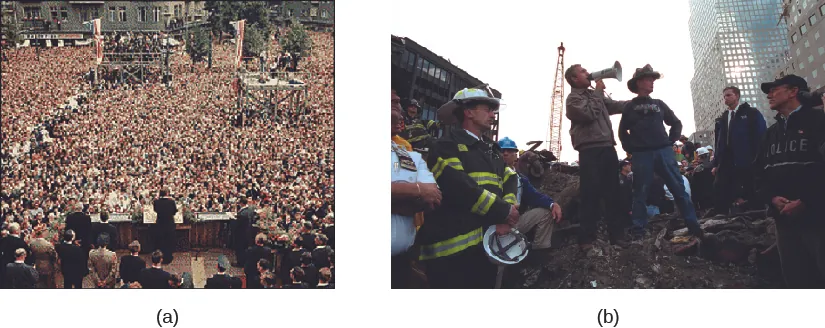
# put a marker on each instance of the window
(53, 10)
(31, 12)
(84, 16)
(313, 12)
(156, 14)
(122, 13)
(289, 12)
(324, 13)
(822, 10)
(111, 14)
(821, 51)
(811, 58)
(177, 11)
(812, 19)
(807, 44)
(813, 74)
(795, 37)
(95, 13)
(803, 29)
(64, 14)
(141, 14)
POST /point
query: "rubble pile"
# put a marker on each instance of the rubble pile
(739, 253)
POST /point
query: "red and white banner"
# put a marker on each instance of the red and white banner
(98, 41)
(239, 28)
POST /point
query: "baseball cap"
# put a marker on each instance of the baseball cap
(791, 80)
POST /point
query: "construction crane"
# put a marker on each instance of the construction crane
(557, 107)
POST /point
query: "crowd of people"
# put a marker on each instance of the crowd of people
(112, 149)
(447, 191)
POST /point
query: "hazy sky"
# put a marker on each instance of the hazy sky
(512, 46)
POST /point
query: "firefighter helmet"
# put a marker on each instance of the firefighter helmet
(446, 113)
(702, 151)
(507, 143)
(506, 249)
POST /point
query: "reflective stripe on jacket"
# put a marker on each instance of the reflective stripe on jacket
(477, 192)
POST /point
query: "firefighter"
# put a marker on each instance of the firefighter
(477, 192)
(416, 131)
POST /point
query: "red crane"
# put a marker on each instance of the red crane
(557, 108)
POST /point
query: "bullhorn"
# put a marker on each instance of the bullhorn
(614, 72)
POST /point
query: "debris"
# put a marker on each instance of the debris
(664, 258)
(593, 283)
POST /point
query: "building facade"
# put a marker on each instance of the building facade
(806, 31)
(738, 43)
(65, 19)
(313, 14)
(418, 73)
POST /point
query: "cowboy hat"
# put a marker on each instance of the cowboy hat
(640, 73)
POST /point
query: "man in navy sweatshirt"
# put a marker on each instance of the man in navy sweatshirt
(643, 135)
(790, 172)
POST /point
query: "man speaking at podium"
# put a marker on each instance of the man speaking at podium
(163, 231)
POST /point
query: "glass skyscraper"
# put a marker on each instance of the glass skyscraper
(738, 43)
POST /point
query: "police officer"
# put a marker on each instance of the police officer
(791, 178)
(477, 193)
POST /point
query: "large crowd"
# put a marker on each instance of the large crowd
(111, 149)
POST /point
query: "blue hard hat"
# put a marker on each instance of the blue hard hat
(506, 143)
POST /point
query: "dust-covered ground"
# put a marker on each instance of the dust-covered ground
(738, 254)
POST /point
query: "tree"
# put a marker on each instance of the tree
(224, 12)
(296, 40)
(254, 40)
(197, 44)
(11, 31)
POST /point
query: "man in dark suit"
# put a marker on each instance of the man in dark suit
(253, 255)
(324, 276)
(163, 231)
(310, 271)
(105, 226)
(8, 247)
(81, 224)
(329, 231)
(72, 260)
(154, 277)
(739, 131)
(222, 280)
(320, 255)
(18, 273)
(242, 230)
(131, 265)
(307, 237)
(297, 276)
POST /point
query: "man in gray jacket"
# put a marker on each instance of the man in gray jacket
(591, 132)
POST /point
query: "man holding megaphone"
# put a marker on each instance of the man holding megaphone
(591, 132)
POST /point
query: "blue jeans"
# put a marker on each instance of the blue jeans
(663, 163)
(652, 210)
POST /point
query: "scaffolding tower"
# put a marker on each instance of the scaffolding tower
(276, 87)
(557, 107)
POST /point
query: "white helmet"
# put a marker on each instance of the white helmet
(678, 143)
(702, 151)
(446, 111)
(505, 249)
(709, 147)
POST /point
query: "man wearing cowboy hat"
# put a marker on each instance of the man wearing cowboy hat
(591, 132)
(790, 172)
(477, 192)
(643, 135)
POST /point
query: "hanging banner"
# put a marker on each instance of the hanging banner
(239, 28)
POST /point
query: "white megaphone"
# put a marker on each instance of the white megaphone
(614, 72)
